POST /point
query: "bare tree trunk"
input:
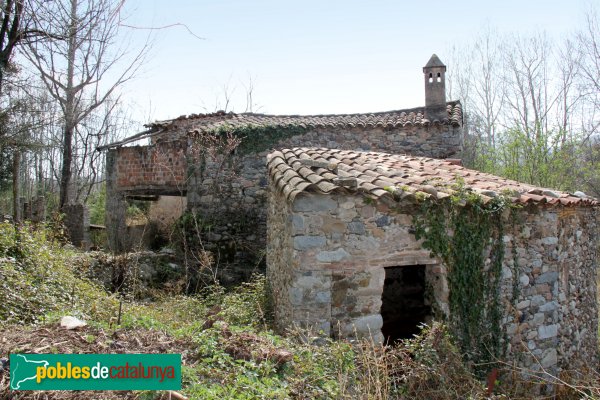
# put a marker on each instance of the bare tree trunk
(16, 184)
(67, 161)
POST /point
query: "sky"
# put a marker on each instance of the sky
(313, 57)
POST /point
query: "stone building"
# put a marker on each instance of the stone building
(226, 184)
(343, 258)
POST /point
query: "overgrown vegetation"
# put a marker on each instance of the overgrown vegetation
(548, 159)
(38, 279)
(231, 350)
(224, 336)
(257, 138)
(460, 234)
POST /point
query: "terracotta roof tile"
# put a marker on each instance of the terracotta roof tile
(379, 175)
(384, 120)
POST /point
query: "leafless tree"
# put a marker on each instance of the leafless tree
(531, 104)
(588, 41)
(475, 77)
(84, 71)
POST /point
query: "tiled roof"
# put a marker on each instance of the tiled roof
(388, 119)
(174, 129)
(381, 175)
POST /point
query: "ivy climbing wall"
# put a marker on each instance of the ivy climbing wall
(229, 191)
(514, 284)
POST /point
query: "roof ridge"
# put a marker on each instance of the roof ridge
(232, 114)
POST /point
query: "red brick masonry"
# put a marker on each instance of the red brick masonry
(161, 165)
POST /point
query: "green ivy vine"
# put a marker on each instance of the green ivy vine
(464, 233)
(257, 138)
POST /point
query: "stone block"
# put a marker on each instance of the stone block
(549, 358)
(309, 281)
(523, 304)
(547, 331)
(333, 256)
(538, 319)
(333, 225)
(367, 212)
(549, 241)
(296, 296)
(356, 227)
(297, 222)
(309, 242)
(382, 221)
(365, 325)
(538, 300)
(323, 297)
(314, 203)
(549, 307)
(548, 277)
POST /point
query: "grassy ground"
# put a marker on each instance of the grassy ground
(228, 348)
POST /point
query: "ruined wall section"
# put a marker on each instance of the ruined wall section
(156, 169)
(231, 193)
(160, 169)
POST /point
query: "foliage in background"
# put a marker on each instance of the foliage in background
(551, 160)
(97, 205)
(531, 105)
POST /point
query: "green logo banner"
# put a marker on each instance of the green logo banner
(95, 371)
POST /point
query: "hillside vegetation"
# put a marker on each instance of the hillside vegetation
(228, 348)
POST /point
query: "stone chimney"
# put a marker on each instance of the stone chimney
(435, 89)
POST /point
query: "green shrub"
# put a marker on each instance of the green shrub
(38, 279)
(97, 205)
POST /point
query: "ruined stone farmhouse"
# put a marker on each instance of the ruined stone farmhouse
(343, 258)
(336, 210)
(227, 187)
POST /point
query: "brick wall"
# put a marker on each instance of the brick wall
(158, 166)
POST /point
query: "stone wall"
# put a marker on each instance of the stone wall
(231, 192)
(328, 273)
(551, 261)
(228, 192)
(328, 253)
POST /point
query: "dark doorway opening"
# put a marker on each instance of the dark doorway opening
(404, 305)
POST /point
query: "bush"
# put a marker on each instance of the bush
(38, 279)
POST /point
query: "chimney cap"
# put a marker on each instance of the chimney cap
(434, 62)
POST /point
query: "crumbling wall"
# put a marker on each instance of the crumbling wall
(151, 169)
(77, 222)
(160, 169)
(230, 193)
